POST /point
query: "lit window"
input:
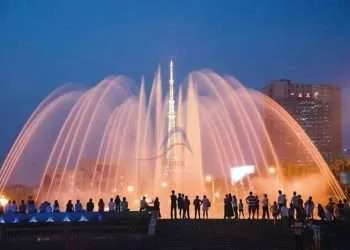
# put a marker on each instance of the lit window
(300, 95)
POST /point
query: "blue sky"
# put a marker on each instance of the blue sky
(44, 44)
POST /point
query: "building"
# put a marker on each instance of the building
(316, 107)
(346, 153)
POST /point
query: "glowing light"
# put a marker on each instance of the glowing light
(50, 219)
(3, 201)
(164, 184)
(66, 219)
(33, 220)
(130, 188)
(208, 178)
(239, 172)
(271, 170)
(217, 195)
(114, 190)
(83, 219)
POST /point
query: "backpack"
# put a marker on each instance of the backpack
(209, 204)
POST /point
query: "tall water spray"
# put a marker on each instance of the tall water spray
(111, 139)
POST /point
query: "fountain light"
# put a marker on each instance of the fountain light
(164, 184)
(3, 201)
(271, 170)
(217, 195)
(130, 188)
(208, 178)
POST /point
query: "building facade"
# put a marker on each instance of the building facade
(317, 108)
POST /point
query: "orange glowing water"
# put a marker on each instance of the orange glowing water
(109, 140)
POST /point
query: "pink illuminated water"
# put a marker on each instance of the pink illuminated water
(110, 140)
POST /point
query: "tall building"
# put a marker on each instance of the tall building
(316, 107)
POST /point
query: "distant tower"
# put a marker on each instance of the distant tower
(171, 156)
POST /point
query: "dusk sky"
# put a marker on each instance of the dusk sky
(44, 44)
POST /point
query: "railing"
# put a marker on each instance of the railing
(75, 226)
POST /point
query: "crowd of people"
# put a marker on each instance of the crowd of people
(296, 209)
(181, 203)
(234, 208)
(114, 205)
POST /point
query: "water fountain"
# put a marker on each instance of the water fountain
(111, 139)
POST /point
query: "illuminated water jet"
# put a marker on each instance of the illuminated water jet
(111, 139)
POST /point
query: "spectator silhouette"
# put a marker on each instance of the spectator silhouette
(240, 209)
(156, 204)
(124, 205)
(197, 207)
(250, 200)
(205, 206)
(186, 212)
(56, 207)
(78, 207)
(22, 207)
(235, 207)
(265, 207)
(111, 205)
(173, 212)
(180, 204)
(117, 202)
(90, 206)
(101, 206)
(69, 207)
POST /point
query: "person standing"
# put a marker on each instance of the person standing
(180, 204)
(275, 212)
(197, 207)
(205, 206)
(265, 207)
(124, 205)
(240, 209)
(257, 207)
(284, 215)
(101, 206)
(156, 205)
(173, 212)
(226, 207)
(281, 199)
(56, 207)
(250, 200)
(69, 207)
(117, 202)
(22, 207)
(90, 206)
(186, 212)
(235, 207)
(309, 208)
(230, 208)
(111, 205)
(78, 207)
